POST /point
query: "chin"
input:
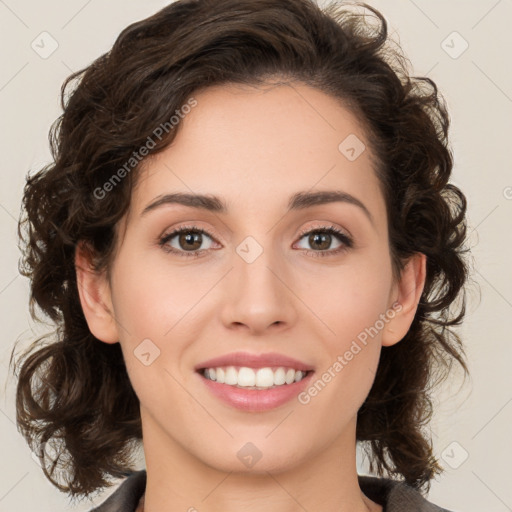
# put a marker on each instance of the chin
(254, 457)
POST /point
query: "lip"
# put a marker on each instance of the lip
(269, 359)
(256, 400)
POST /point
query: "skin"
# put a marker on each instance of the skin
(254, 148)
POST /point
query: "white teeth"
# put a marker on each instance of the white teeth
(246, 377)
(251, 378)
(290, 376)
(231, 376)
(264, 377)
(279, 377)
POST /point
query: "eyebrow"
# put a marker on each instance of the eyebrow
(298, 201)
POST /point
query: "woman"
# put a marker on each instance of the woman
(250, 247)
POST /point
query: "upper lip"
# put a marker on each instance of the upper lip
(254, 361)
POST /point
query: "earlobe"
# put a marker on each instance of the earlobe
(405, 299)
(95, 297)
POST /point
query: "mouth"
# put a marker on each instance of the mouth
(255, 389)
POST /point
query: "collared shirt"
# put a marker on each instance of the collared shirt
(393, 495)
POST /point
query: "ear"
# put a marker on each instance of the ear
(405, 297)
(95, 297)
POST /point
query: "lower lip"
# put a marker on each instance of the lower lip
(256, 400)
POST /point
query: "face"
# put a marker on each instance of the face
(311, 282)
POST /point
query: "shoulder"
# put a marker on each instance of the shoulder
(395, 495)
(126, 497)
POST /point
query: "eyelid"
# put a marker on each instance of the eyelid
(325, 227)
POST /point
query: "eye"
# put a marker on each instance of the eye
(321, 238)
(188, 240)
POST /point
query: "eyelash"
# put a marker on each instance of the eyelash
(346, 241)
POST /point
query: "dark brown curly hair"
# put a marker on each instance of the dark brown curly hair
(73, 392)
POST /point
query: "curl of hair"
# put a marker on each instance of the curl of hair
(75, 389)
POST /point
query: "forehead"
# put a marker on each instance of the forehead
(257, 146)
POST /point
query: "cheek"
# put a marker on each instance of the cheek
(155, 308)
(351, 299)
(357, 303)
(152, 296)
(354, 301)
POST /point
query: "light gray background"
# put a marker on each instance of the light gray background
(470, 420)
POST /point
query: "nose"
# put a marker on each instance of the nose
(259, 295)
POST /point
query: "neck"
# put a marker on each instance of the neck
(178, 479)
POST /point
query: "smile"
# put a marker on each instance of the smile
(249, 389)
